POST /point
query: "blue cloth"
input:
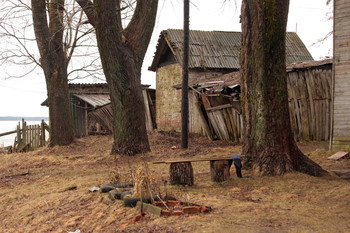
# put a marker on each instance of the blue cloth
(235, 157)
(238, 165)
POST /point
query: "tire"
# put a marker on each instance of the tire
(108, 187)
(130, 201)
(123, 194)
(113, 195)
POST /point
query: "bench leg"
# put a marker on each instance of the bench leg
(181, 173)
(220, 170)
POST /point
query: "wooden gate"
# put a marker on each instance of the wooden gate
(28, 137)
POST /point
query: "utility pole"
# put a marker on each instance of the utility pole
(184, 103)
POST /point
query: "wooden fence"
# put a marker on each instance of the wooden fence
(28, 137)
(309, 95)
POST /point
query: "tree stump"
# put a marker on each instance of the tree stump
(181, 173)
(220, 170)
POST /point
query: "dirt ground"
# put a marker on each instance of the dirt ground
(47, 191)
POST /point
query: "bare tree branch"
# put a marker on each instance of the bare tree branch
(16, 29)
(21, 43)
(88, 8)
(137, 32)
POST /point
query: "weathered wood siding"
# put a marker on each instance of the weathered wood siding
(80, 119)
(104, 115)
(309, 94)
(226, 122)
(341, 79)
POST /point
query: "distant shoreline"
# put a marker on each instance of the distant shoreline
(19, 118)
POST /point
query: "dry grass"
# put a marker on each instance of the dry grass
(41, 201)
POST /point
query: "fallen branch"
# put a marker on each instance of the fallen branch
(15, 175)
(163, 202)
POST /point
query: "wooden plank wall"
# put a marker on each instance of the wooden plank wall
(104, 114)
(148, 116)
(79, 112)
(196, 122)
(309, 94)
(226, 122)
(341, 88)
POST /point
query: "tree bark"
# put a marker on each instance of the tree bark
(122, 52)
(268, 141)
(184, 89)
(53, 62)
(220, 170)
(181, 173)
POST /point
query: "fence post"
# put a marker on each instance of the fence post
(37, 136)
(42, 136)
(19, 138)
(24, 132)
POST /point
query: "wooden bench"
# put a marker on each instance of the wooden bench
(181, 171)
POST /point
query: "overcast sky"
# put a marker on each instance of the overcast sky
(310, 19)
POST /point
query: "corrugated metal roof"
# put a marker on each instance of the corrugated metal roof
(296, 51)
(229, 79)
(75, 85)
(95, 100)
(219, 49)
(309, 64)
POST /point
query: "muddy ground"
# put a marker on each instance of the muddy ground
(47, 191)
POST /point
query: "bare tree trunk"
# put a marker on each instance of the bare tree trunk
(268, 139)
(53, 62)
(122, 52)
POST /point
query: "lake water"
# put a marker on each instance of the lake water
(7, 126)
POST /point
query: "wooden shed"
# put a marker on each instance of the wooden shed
(341, 77)
(309, 94)
(91, 109)
(212, 54)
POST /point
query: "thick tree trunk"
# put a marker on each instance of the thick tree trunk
(268, 141)
(129, 122)
(122, 54)
(53, 61)
(59, 108)
(181, 173)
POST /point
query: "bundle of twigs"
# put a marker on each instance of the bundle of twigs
(144, 185)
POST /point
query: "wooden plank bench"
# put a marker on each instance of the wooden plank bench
(181, 171)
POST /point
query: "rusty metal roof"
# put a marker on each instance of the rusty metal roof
(95, 100)
(309, 64)
(218, 49)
